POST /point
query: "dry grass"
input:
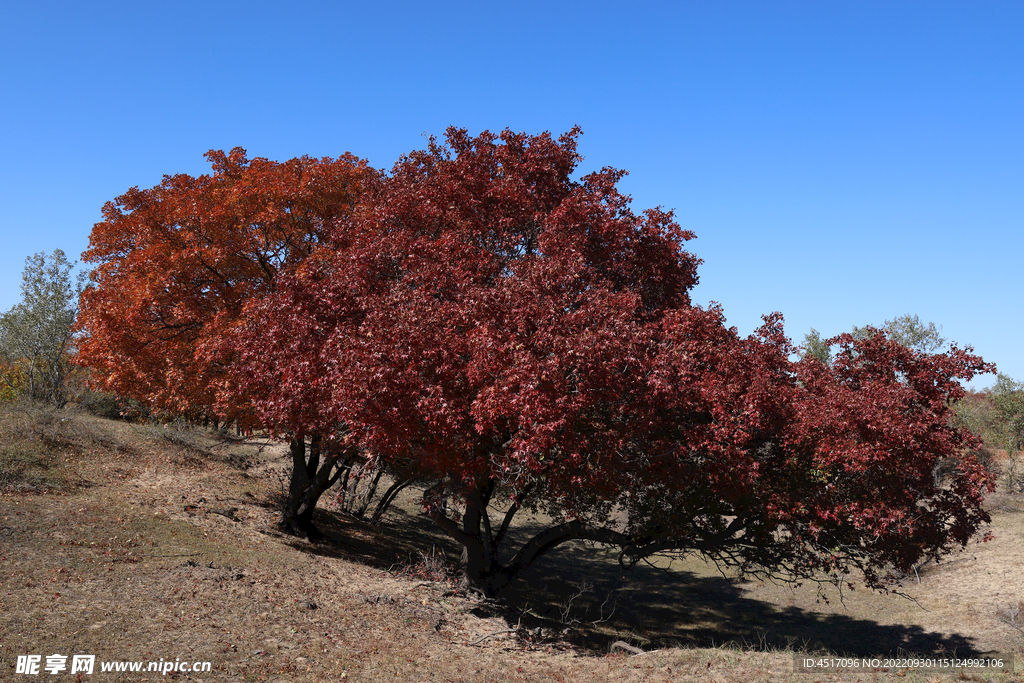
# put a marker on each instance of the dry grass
(134, 542)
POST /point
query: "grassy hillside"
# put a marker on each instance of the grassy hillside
(143, 542)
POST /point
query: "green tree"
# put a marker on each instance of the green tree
(816, 347)
(36, 337)
(1008, 432)
(909, 331)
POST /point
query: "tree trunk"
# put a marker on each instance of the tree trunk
(480, 576)
(367, 495)
(481, 571)
(388, 497)
(311, 477)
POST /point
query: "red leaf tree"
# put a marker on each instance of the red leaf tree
(526, 340)
(177, 265)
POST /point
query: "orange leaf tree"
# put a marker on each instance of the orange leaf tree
(177, 265)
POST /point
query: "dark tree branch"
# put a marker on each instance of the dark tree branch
(432, 499)
(388, 497)
(505, 524)
(552, 537)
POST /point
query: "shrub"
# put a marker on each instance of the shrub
(112, 407)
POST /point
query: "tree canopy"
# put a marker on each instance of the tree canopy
(528, 340)
(520, 338)
(176, 265)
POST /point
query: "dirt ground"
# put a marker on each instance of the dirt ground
(161, 545)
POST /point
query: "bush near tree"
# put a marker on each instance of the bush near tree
(12, 382)
(521, 339)
(996, 414)
(1007, 397)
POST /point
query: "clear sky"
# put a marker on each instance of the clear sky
(841, 162)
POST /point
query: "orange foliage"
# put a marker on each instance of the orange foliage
(177, 265)
(12, 380)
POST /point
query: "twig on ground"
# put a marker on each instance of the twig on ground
(602, 618)
(1012, 616)
(582, 588)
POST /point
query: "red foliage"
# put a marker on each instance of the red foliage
(483, 320)
(505, 329)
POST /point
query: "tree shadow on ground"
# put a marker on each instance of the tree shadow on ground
(400, 542)
(674, 608)
(585, 589)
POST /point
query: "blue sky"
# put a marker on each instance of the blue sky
(840, 162)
